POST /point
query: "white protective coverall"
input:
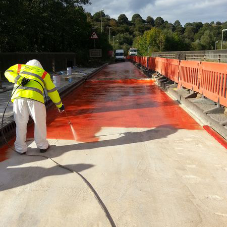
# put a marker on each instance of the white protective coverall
(33, 106)
(22, 108)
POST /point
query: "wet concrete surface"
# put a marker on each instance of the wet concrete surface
(149, 161)
(124, 98)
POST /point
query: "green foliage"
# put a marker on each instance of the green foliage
(37, 26)
(136, 17)
(122, 19)
(177, 24)
(62, 25)
(97, 16)
(152, 40)
(159, 22)
(159, 35)
(150, 21)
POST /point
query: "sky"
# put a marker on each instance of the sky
(170, 10)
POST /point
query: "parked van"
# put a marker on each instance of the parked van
(119, 55)
(132, 52)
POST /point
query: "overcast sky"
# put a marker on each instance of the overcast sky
(170, 10)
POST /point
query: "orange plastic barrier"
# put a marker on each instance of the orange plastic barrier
(151, 63)
(158, 64)
(144, 61)
(173, 69)
(189, 75)
(164, 66)
(207, 78)
(213, 81)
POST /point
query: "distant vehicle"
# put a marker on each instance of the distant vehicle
(132, 52)
(119, 55)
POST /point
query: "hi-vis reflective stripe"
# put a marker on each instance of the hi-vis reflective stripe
(17, 78)
(19, 68)
(31, 88)
(44, 75)
(32, 74)
(52, 90)
(58, 103)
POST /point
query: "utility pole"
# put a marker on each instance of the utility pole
(101, 19)
(109, 33)
(216, 45)
(222, 37)
(113, 42)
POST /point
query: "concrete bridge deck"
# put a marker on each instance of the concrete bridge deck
(147, 160)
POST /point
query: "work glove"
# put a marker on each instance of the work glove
(24, 81)
(61, 109)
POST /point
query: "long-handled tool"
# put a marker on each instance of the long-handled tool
(71, 126)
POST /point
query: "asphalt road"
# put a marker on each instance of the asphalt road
(138, 159)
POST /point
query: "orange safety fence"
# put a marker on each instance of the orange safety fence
(158, 65)
(213, 81)
(144, 61)
(173, 69)
(207, 78)
(189, 74)
(151, 63)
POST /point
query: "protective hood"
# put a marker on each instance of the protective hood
(34, 62)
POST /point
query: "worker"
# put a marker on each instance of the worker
(28, 99)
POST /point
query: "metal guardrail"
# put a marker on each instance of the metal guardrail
(202, 57)
(208, 55)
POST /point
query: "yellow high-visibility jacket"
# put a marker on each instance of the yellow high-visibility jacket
(34, 89)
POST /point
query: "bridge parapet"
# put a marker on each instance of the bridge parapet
(205, 55)
(207, 78)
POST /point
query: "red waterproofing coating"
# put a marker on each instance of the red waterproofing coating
(219, 138)
(189, 75)
(3, 154)
(118, 96)
(213, 81)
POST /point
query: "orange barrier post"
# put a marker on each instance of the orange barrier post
(189, 75)
(151, 63)
(158, 66)
(213, 81)
(173, 69)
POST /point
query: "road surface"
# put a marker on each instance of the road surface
(144, 160)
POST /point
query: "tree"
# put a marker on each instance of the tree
(224, 25)
(207, 40)
(42, 20)
(113, 23)
(135, 18)
(97, 16)
(189, 34)
(197, 45)
(152, 40)
(89, 17)
(197, 26)
(78, 2)
(122, 19)
(150, 20)
(177, 24)
(188, 25)
(158, 22)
